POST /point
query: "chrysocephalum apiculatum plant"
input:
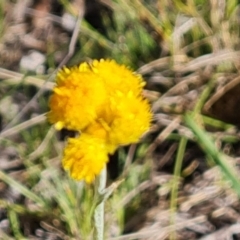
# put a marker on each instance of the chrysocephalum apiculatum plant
(102, 101)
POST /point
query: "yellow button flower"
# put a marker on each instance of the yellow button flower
(131, 120)
(77, 99)
(103, 101)
(85, 157)
(123, 121)
(118, 78)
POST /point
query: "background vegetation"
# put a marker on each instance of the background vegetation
(181, 181)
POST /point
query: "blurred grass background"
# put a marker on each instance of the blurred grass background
(188, 53)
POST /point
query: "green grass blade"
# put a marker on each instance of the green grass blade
(176, 177)
(14, 221)
(210, 149)
(22, 189)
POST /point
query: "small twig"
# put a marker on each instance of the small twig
(27, 124)
(208, 60)
(220, 92)
(11, 77)
(73, 41)
(166, 157)
(143, 186)
(160, 231)
(164, 134)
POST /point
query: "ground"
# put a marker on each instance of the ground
(181, 181)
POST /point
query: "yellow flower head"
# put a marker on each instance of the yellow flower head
(76, 99)
(101, 129)
(132, 119)
(102, 100)
(118, 78)
(123, 121)
(85, 157)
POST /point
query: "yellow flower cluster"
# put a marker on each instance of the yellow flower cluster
(103, 101)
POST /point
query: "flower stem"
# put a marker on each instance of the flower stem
(99, 211)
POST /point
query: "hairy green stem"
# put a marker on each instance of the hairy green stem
(99, 211)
